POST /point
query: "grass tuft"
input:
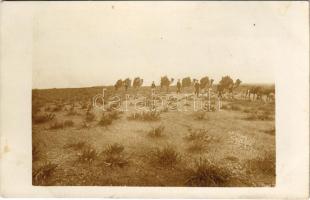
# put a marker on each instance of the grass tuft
(87, 155)
(113, 156)
(262, 165)
(166, 157)
(42, 174)
(39, 119)
(207, 174)
(145, 116)
(200, 115)
(76, 146)
(157, 131)
(105, 120)
(90, 116)
(61, 124)
(257, 115)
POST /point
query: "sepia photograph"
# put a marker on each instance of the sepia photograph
(154, 99)
(168, 96)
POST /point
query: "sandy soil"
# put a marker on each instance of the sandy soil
(238, 149)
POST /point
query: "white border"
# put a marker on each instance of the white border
(292, 114)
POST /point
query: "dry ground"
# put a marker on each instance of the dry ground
(231, 147)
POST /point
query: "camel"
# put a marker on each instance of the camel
(255, 91)
(269, 93)
(258, 92)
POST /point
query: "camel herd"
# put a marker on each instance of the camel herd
(257, 93)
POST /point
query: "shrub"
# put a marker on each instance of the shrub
(68, 123)
(207, 174)
(41, 175)
(114, 149)
(62, 124)
(200, 115)
(264, 116)
(166, 157)
(108, 117)
(105, 120)
(262, 165)
(87, 155)
(196, 134)
(145, 116)
(113, 156)
(76, 146)
(157, 131)
(57, 125)
(57, 108)
(38, 119)
(90, 116)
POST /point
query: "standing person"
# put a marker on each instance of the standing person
(179, 87)
(219, 97)
(196, 85)
(153, 86)
(126, 86)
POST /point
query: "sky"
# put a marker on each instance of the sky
(94, 44)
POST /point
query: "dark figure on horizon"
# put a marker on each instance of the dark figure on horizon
(126, 86)
(197, 86)
(179, 87)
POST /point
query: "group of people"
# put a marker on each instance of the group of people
(179, 86)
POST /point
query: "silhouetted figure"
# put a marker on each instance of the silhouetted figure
(126, 86)
(197, 86)
(178, 87)
(153, 86)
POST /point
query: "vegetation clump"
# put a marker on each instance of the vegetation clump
(89, 116)
(157, 131)
(108, 117)
(42, 174)
(145, 116)
(207, 174)
(61, 124)
(262, 165)
(166, 157)
(88, 154)
(259, 115)
(39, 119)
(200, 115)
(113, 156)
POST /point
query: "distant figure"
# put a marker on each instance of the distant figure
(197, 86)
(179, 87)
(153, 86)
(126, 86)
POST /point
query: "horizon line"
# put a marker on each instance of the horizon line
(96, 86)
